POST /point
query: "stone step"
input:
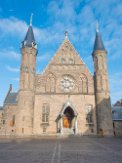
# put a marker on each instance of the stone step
(68, 131)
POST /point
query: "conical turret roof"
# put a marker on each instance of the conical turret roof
(98, 45)
(29, 38)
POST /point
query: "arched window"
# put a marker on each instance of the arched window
(45, 113)
(63, 60)
(89, 114)
(83, 84)
(71, 60)
(12, 122)
(50, 83)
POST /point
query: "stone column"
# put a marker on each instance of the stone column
(61, 125)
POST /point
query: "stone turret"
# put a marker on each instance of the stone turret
(103, 105)
(24, 120)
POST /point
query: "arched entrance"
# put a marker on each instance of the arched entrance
(68, 117)
(66, 121)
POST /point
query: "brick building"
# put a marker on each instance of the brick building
(64, 99)
(117, 118)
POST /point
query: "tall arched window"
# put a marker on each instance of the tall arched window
(89, 114)
(50, 83)
(83, 84)
(45, 113)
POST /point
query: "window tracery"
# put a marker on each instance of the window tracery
(89, 114)
(67, 83)
(83, 84)
(50, 83)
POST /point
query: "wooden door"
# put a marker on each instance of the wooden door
(66, 122)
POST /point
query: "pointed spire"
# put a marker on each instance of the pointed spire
(29, 40)
(98, 45)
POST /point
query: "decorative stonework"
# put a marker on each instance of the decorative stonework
(50, 83)
(67, 83)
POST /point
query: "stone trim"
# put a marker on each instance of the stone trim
(63, 93)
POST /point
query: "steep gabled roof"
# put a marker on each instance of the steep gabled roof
(11, 98)
(29, 40)
(118, 103)
(56, 59)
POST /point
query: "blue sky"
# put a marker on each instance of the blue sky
(51, 19)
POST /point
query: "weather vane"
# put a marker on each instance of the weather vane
(31, 19)
(97, 26)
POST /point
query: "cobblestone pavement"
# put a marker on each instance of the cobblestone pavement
(60, 150)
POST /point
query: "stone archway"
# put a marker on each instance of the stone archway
(68, 117)
(66, 121)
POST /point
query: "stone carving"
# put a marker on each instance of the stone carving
(67, 55)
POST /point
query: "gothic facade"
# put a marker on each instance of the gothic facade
(64, 99)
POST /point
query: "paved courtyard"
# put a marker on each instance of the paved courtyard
(57, 150)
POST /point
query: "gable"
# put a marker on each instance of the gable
(66, 54)
(65, 65)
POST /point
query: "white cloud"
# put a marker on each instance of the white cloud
(61, 10)
(10, 54)
(12, 69)
(116, 79)
(44, 57)
(12, 25)
(16, 27)
(115, 86)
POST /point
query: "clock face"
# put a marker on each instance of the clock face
(67, 83)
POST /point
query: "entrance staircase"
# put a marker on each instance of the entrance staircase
(68, 131)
